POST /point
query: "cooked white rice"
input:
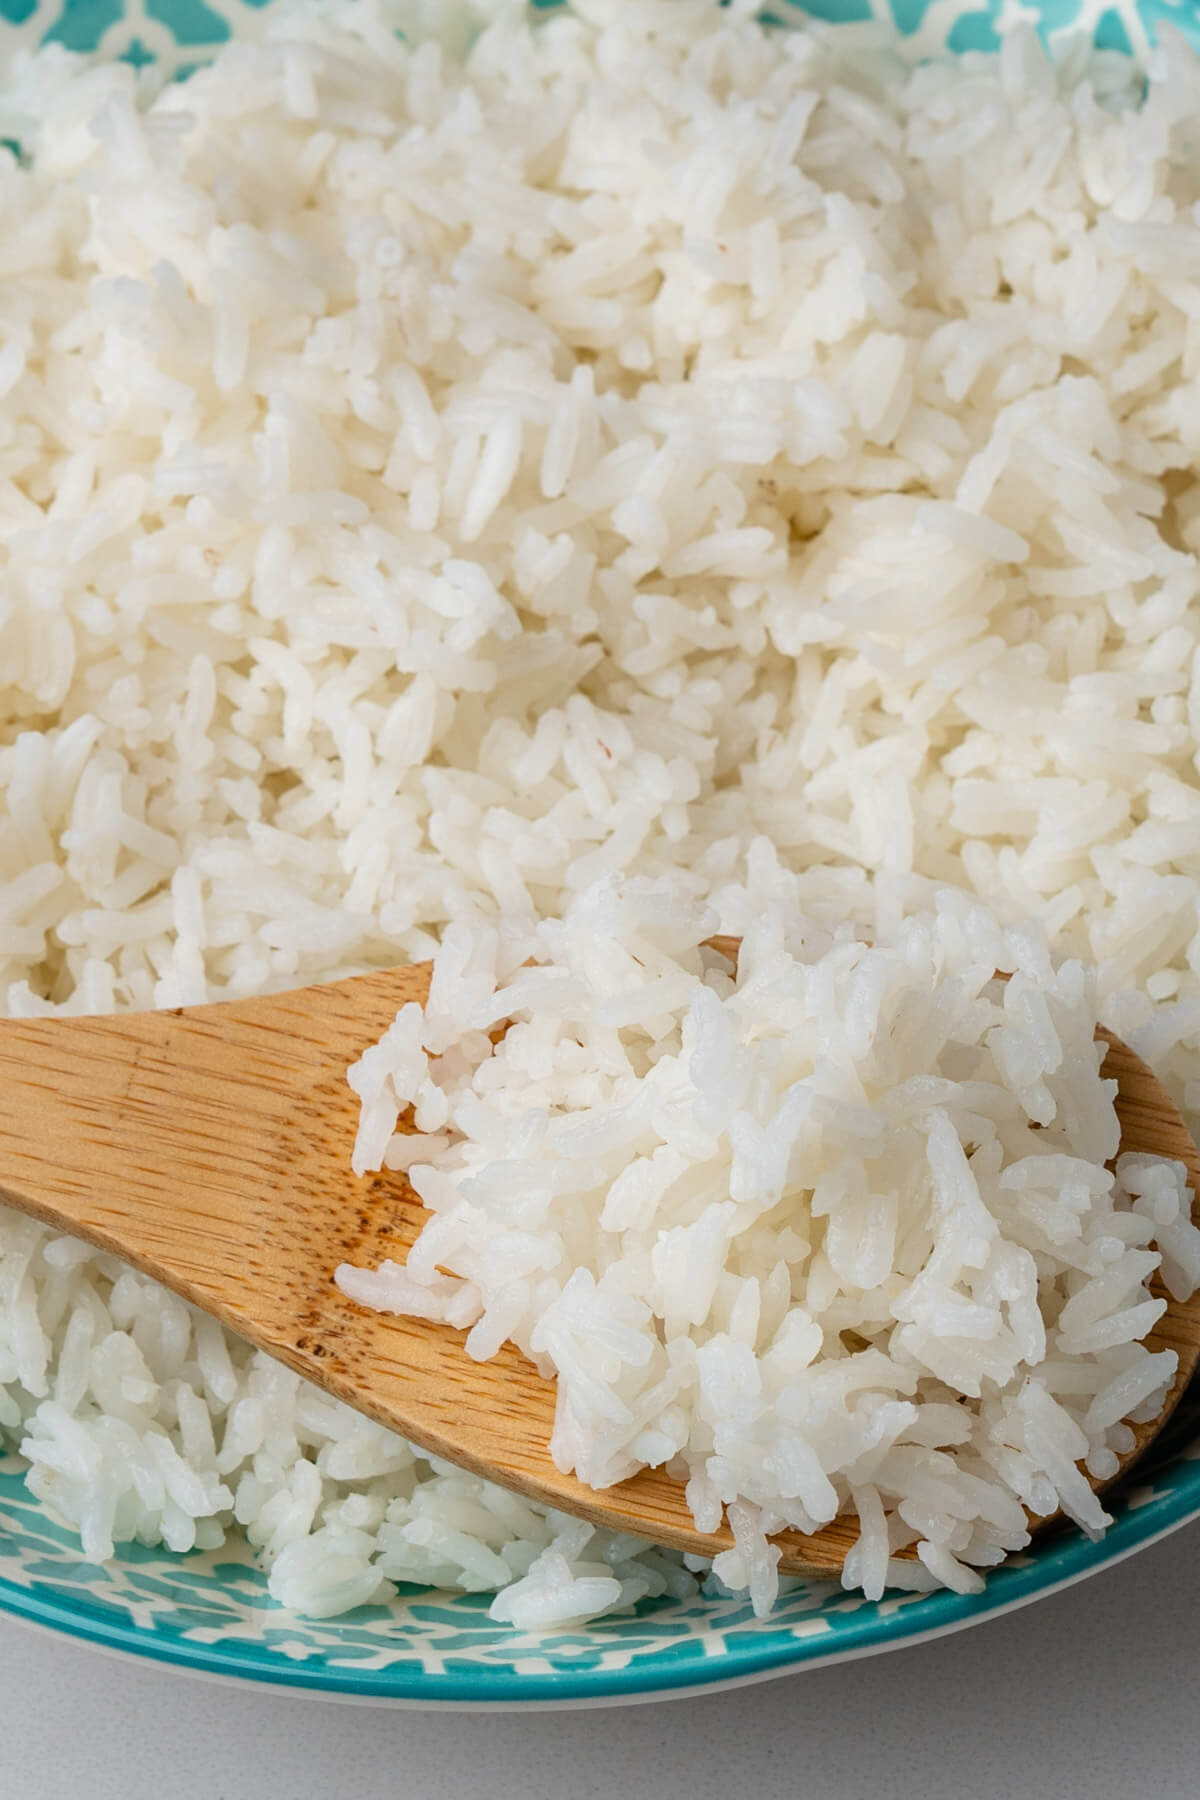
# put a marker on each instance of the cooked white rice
(836, 1234)
(654, 448)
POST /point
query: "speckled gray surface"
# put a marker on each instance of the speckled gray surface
(1091, 1693)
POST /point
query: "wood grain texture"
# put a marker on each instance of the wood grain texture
(210, 1146)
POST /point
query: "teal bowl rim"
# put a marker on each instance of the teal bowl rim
(751, 1650)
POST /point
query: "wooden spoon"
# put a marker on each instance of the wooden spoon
(210, 1147)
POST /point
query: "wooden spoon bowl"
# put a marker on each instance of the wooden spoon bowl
(210, 1147)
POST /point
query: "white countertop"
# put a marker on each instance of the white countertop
(1090, 1694)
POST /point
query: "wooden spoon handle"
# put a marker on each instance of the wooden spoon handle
(166, 1137)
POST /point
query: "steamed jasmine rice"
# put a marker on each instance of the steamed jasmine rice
(832, 1233)
(642, 462)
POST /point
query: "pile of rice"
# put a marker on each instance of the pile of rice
(649, 449)
(833, 1234)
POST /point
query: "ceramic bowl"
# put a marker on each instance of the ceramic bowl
(211, 1613)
